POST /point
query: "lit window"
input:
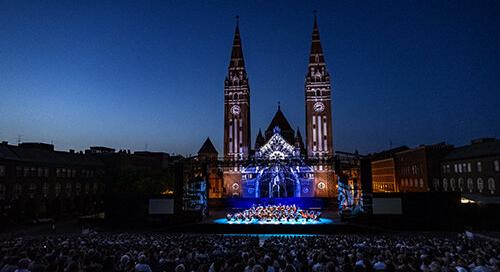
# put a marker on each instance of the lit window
(495, 163)
(469, 167)
(479, 167)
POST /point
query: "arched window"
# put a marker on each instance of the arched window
(45, 189)
(461, 184)
(78, 188)
(421, 183)
(453, 185)
(18, 190)
(491, 185)
(470, 184)
(57, 189)
(445, 185)
(32, 190)
(68, 189)
(435, 183)
(480, 185)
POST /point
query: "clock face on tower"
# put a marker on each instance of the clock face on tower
(319, 107)
(235, 110)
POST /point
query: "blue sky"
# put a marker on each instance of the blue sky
(130, 74)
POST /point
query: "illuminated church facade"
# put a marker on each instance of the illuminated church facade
(280, 164)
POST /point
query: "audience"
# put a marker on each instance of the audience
(146, 252)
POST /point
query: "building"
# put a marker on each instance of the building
(383, 170)
(471, 169)
(211, 169)
(37, 181)
(416, 167)
(280, 165)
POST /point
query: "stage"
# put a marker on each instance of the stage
(216, 223)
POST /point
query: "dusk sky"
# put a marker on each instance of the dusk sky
(126, 74)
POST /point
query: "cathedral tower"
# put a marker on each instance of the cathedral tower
(319, 142)
(236, 105)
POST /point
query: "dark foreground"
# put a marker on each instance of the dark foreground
(153, 251)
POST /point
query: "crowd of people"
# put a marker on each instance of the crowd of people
(274, 214)
(213, 253)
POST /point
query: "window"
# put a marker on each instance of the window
(32, 190)
(18, 190)
(57, 189)
(46, 172)
(496, 166)
(479, 167)
(421, 183)
(453, 185)
(460, 168)
(469, 167)
(491, 185)
(448, 168)
(455, 167)
(68, 189)
(78, 188)
(2, 170)
(58, 172)
(45, 189)
(40, 172)
(461, 185)
(470, 184)
(435, 183)
(26, 171)
(445, 184)
(321, 185)
(480, 185)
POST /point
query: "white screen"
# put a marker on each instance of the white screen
(387, 206)
(161, 206)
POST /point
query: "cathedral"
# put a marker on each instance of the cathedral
(280, 164)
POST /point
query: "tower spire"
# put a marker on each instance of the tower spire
(316, 55)
(237, 60)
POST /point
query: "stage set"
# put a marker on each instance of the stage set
(282, 180)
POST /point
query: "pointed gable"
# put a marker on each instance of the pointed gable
(208, 148)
